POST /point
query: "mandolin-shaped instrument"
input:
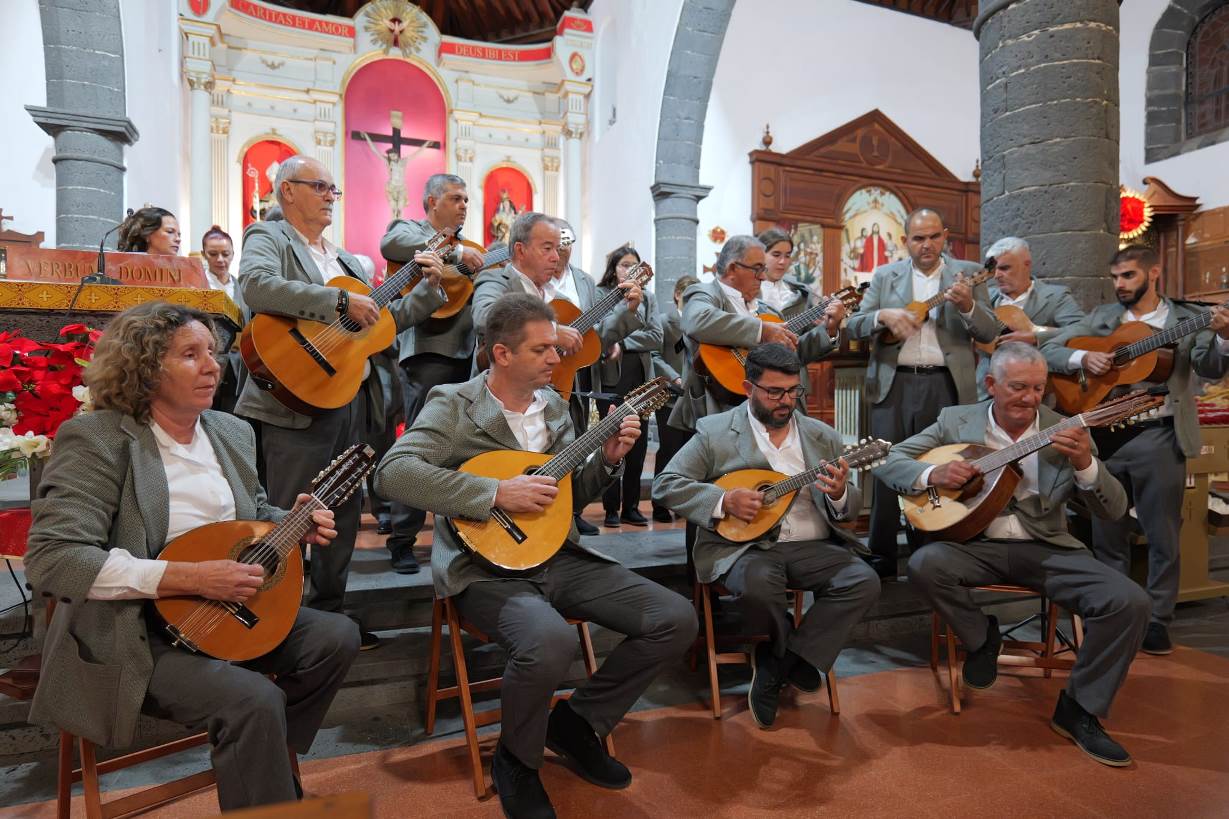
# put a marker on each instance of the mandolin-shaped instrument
(310, 366)
(1010, 319)
(726, 367)
(517, 541)
(920, 310)
(961, 514)
(779, 490)
(584, 323)
(244, 631)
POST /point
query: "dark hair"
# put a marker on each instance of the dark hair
(683, 283)
(216, 232)
(134, 232)
(611, 277)
(913, 214)
(775, 357)
(1146, 256)
(505, 324)
(773, 235)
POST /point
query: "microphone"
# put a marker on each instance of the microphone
(100, 275)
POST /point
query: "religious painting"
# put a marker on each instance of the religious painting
(872, 233)
(261, 162)
(807, 261)
(506, 192)
(395, 127)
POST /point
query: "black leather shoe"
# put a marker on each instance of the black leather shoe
(1084, 729)
(576, 743)
(520, 790)
(662, 515)
(585, 527)
(384, 526)
(766, 683)
(1156, 640)
(611, 520)
(802, 675)
(981, 667)
(634, 517)
(404, 561)
(367, 641)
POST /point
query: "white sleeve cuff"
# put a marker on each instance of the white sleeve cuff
(838, 505)
(1077, 359)
(969, 315)
(718, 512)
(1087, 478)
(126, 577)
(923, 480)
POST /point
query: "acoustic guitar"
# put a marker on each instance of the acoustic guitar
(726, 366)
(779, 490)
(1010, 319)
(515, 541)
(244, 631)
(584, 323)
(961, 514)
(311, 366)
(920, 310)
(1140, 354)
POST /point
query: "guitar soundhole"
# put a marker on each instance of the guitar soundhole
(769, 500)
(251, 550)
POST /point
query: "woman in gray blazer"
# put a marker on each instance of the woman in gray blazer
(151, 462)
(624, 366)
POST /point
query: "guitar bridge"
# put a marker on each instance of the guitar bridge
(312, 351)
(243, 614)
(936, 500)
(177, 639)
(509, 525)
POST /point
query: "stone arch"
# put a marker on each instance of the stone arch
(1165, 105)
(83, 49)
(680, 133)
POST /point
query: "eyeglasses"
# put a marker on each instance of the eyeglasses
(626, 265)
(777, 393)
(758, 269)
(319, 186)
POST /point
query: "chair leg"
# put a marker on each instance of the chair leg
(799, 599)
(1051, 616)
(834, 701)
(64, 777)
(693, 654)
(590, 658)
(934, 641)
(1077, 630)
(294, 764)
(953, 678)
(710, 644)
(433, 663)
(467, 703)
(89, 779)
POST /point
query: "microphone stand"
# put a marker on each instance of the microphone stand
(99, 276)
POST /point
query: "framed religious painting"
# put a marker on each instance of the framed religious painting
(506, 192)
(261, 161)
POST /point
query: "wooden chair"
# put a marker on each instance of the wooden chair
(1023, 653)
(444, 612)
(702, 597)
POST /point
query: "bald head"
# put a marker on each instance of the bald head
(305, 191)
(925, 238)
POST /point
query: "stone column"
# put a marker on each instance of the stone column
(464, 153)
(219, 141)
(674, 222)
(83, 52)
(575, 123)
(324, 136)
(1049, 135)
(550, 173)
(200, 178)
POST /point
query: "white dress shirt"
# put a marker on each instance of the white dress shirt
(546, 293)
(742, 307)
(1018, 301)
(328, 264)
(216, 284)
(1007, 526)
(778, 295)
(529, 426)
(565, 287)
(803, 521)
(198, 493)
(922, 348)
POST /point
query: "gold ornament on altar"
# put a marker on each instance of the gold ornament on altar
(1134, 214)
(395, 24)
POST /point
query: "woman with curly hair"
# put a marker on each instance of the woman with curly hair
(150, 463)
(150, 230)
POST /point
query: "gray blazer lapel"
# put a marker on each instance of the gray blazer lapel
(740, 429)
(557, 421)
(811, 458)
(902, 285)
(488, 417)
(244, 508)
(585, 290)
(149, 483)
(1172, 318)
(303, 256)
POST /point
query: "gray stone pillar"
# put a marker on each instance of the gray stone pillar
(1049, 135)
(680, 133)
(83, 49)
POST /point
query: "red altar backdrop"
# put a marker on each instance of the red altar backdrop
(520, 193)
(260, 163)
(392, 101)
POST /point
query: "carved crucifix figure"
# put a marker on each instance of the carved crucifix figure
(394, 188)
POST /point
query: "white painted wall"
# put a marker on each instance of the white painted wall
(1203, 173)
(27, 177)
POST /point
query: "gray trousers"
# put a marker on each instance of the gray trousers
(1114, 608)
(526, 618)
(250, 719)
(845, 588)
(293, 458)
(1152, 469)
(912, 404)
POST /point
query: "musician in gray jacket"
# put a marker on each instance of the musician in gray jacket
(804, 551)
(509, 407)
(1028, 543)
(284, 271)
(150, 463)
(1149, 457)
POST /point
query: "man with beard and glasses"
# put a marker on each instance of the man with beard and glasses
(804, 552)
(1149, 458)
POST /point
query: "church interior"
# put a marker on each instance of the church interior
(648, 143)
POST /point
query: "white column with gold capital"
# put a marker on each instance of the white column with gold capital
(574, 96)
(199, 39)
(550, 172)
(464, 152)
(325, 137)
(219, 138)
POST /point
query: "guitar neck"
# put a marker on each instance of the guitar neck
(286, 536)
(589, 319)
(937, 299)
(407, 276)
(1025, 446)
(794, 482)
(497, 256)
(801, 322)
(1162, 338)
(574, 454)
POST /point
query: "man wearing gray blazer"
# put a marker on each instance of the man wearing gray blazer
(805, 551)
(284, 271)
(929, 366)
(1050, 307)
(725, 311)
(1028, 543)
(668, 362)
(1149, 457)
(510, 407)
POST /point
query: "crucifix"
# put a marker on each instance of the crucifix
(395, 187)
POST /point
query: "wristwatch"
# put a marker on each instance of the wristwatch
(343, 301)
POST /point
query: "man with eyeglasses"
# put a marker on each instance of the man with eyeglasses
(928, 366)
(806, 551)
(284, 270)
(726, 312)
